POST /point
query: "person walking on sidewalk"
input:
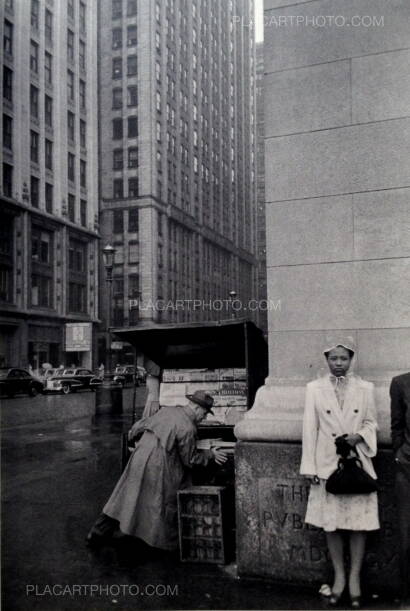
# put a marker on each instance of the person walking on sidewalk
(400, 433)
(144, 501)
(337, 404)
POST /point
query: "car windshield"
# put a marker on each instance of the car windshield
(68, 372)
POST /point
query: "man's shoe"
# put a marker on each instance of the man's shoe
(93, 540)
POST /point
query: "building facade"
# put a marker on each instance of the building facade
(177, 157)
(49, 194)
(260, 190)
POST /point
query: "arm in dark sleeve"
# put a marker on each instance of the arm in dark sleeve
(189, 454)
(398, 415)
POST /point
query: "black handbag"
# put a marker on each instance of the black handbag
(350, 477)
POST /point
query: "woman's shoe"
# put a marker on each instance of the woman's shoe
(355, 602)
(334, 599)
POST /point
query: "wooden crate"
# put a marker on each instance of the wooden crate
(205, 520)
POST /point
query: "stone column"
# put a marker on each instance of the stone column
(337, 150)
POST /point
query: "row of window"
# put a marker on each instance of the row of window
(132, 66)
(133, 253)
(132, 96)
(117, 8)
(118, 188)
(118, 128)
(70, 49)
(118, 158)
(118, 221)
(48, 62)
(131, 37)
(71, 90)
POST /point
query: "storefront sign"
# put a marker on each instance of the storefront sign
(78, 337)
(116, 345)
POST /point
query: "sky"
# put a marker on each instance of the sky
(259, 20)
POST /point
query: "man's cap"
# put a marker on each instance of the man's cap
(200, 397)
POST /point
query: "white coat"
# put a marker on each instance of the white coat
(324, 420)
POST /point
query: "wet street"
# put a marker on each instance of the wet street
(59, 464)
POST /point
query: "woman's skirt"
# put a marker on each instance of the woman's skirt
(341, 511)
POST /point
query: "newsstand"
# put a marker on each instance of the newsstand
(229, 360)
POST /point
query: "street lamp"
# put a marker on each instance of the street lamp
(232, 297)
(108, 259)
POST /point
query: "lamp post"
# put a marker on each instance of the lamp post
(232, 297)
(108, 259)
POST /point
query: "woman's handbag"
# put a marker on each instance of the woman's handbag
(350, 477)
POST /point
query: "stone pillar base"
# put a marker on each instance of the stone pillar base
(272, 539)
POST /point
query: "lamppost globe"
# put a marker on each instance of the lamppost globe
(108, 257)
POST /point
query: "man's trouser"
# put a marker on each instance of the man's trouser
(402, 487)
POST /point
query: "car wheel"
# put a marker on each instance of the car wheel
(65, 389)
(33, 392)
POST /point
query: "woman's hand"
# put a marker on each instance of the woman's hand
(353, 439)
(219, 456)
(313, 479)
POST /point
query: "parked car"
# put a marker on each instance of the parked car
(72, 379)
(128, 371)
(14, 380)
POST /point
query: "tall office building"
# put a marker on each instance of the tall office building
(49, 193)
(260, 189)
(177, 145)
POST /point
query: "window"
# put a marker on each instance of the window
(131, 7)
(133, 187)
(83, 212)
(118, 188)
(70, 8)
(48, 111)
(7, 179)
(34, 14)
(71, 208)
(33, 146)
(7, 132)
(117, 98)
(133, 220)
(131, 35)
(116, 9)
(158, 71)
(117, 67)
(70, 125)
(49, 154)
(70, 167)
(158, 41)
(81, 54)
(70, 86)
(77, 297)
(70, 46)
(119, 254)
(116, 38)
(133, 252)
(42, 267)
(48, 65)
(77, 256)
(132, 96)
(133, 157)
(82, 16)
(7, 84)
(132, 65)
(82, 95)
(158, 131)
(33, 56)
(132, 127)
(133, 285)
(49, 197)
(40, 291)
(83, 132)
(83, 174)
(48, 26)
(34, 191)
(34, 102)
(158, 101)
(118, 285)
(118, 161)
(118, 221)
(117, 129)
(8, 37)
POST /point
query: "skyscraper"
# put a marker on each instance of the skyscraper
(49, 195)
(177, 141)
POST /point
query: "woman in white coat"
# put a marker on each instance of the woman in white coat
(340, 403)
